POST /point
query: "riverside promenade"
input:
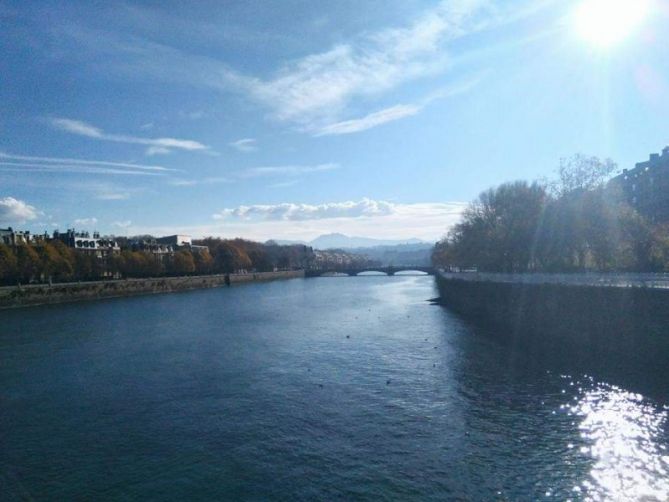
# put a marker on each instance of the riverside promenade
(609, 279)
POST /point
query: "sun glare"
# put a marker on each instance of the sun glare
(605, 23)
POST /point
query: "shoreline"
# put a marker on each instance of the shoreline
(12, 297)
(590, 324)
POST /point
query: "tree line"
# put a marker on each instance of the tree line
(46, 261)
(574, 223)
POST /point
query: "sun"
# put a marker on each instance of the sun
(606, 23)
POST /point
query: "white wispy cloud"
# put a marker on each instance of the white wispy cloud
(295, 212)
(60, 162)
(378, 219)
(86, 222)
(396, 112)
(122, 224)
(25, 167)
(157, 150)
(314, 90)
(297, 170)
(13, 211)
(245, 145)
(118, 195)
(164, 145)
(105, 191)
(284, 184)
(204, 181)
(182, 183)
(367, 122)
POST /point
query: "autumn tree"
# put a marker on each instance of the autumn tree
(182, 263)
(204, 263)
(8, 265)
(29, 263)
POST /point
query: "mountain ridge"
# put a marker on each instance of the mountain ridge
(342, 241)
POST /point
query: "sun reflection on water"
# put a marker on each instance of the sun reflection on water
(626, 435)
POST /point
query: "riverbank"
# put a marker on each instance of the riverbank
(41, 294)
(594, 321)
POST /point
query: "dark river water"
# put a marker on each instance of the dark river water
(318, 389)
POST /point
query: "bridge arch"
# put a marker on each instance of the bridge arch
(370, 272)
(388, 270)
(412, 271)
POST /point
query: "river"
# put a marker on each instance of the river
(316, 389)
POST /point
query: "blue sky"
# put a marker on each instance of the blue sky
(296, 118)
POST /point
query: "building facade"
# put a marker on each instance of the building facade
(181, 242)
(11, 237)
(646, 187)
(152, 246)
(101, 247)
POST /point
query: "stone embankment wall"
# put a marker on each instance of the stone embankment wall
(38, 294)
(610, 326)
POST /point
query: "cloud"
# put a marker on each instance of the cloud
(314, 90)
(157, 150)
(378, 219)
(31, 163)
(182, 183)
(203, 181)
(65, 162)
(46, 168)
(289, 211)
(165, 144)
(255, 172)
(16, 211)
(122, 224)
(245, 145)
(86, 222)
(284, 184)
(106, 191)
(113, 196)
(367, 122)
(396, 112)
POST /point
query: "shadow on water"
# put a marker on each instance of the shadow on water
(556, 425)
(530, 351)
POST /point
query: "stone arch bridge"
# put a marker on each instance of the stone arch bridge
(353, 271)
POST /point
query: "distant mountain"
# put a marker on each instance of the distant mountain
(341, 241)
(400, 254)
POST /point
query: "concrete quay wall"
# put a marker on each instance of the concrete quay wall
(39, 294)
(624, 328)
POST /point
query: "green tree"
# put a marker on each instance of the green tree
(498, 230)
